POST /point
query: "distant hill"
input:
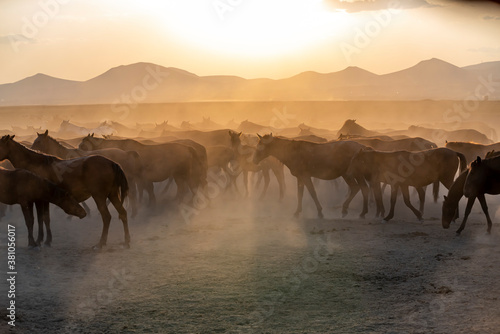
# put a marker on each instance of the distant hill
(151, 83)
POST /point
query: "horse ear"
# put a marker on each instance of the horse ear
(239, 134)
(445, 197)
(46, 132)
(92, 135)
(12, 137)
(271, 135)
(260, 137)
(478, 159)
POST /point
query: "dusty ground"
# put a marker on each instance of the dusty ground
(247, 266)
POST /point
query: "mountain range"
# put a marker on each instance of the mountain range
(150, 83)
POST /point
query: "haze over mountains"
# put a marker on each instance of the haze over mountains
(150, 83)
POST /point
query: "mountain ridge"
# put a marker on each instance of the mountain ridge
(151, 83)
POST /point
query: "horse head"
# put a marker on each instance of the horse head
(263, 148)
(448, 213)
(90, 143)
(5, 147)
(40, 141)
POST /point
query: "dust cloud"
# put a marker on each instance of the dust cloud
(237, 264)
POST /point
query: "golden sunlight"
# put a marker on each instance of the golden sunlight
(255, 28)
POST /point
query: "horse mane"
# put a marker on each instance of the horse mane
(59, 145)
(46, 158)
(463, 143)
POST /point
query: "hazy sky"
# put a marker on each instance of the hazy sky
(80, 39)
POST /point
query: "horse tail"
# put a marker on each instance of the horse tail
(463, 161)
(435, 191)
(120, 181)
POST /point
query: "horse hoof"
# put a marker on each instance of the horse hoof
(47, 245)
(458, 233)
(320, 215)
(97, 247)
(296, 214)
(362, 216)
(125, 245)
(35, 248)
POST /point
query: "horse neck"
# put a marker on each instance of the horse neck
(22, 157)
(280, 149)
(59, 150)
(457, 189)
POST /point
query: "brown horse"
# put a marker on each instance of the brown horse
(456, 192)
(22, 187)
(129, 161)
(244, 155)
(472, 150)
(483, 178)
(326, 161)
(160, 162)
(402, 169)
(93, 176)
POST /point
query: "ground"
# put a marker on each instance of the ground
(247, 266)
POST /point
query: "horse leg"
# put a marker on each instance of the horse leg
(365, 191)
(100, 201)
(46, 219)
(133, 196)
(310, 187)
(394, 196)
(87, 209)
(421, 198)
(122, 214)
(267, 178)
(279, 172)
(40, 217)
(151, 193)
(406, 198)
(468, 209)
(167, 186)
(484, 206)
(27, 209)
(300, 194)
(245, 182)
(353, 190)
(377, 194)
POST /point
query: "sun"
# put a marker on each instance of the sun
(254, 28)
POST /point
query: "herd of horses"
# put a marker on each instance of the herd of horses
(108, 169)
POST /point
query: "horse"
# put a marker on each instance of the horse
(456, 192)
(326, 161)
(483, 178)
(471, 150)
(402, 169)
(244, 155)
(129, 160)
(93, 176)
(161, 161)
(22, 187)
(350, 127)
